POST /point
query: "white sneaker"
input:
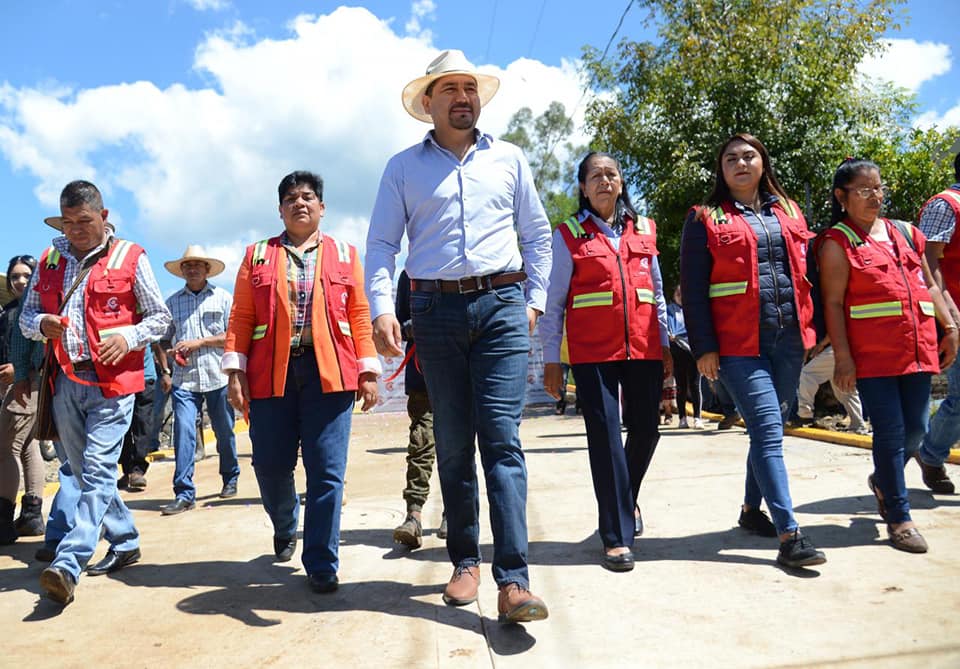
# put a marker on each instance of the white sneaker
(683, 425)
(697, 424)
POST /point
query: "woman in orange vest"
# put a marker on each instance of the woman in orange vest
(299, 352)
(881, 304)
(749, 317)
(606, 281)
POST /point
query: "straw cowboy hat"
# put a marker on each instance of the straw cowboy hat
(194, 252)
(56, 222)
(451, 61)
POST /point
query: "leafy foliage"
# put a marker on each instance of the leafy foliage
(782, 70)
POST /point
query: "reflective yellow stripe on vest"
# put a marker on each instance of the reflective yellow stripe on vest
(593, 300)
(725, 289)
(574, 226)
(876, 310)
(345, 328)
(53, 258)
(118, 253)
(107, 332)
(927, 309)
(259, 253)
(789, 208)
(343, 250)
(718, 217)
(259, 332)
(952, 194)
(642, 225)
(646, 295)
(851, 236)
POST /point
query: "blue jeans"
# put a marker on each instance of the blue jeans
(763, 388)
(317, 424)
(91, 429)
(945, 425)
(899, 409)
(473, 350)
(186, 405)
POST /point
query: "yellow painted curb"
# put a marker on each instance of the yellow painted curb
(841, 438)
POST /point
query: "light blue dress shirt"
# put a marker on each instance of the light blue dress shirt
(464, 218)
(551, 324)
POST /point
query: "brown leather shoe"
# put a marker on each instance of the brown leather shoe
(463, 586)
(909, 540)
(516, 604)
(936, 478)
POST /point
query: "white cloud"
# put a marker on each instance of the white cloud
(421, 10)
(202, 165)
(908, 63)
(208, 5)
(951, 117)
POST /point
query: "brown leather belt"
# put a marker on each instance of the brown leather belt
(84, 366)
(471, 284)
(297, 351)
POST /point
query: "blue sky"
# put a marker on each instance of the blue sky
(188, 112)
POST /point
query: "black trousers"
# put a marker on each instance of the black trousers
(688, 379)
(618, 469)
(136, 442)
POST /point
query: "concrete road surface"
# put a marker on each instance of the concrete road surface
(704, 594)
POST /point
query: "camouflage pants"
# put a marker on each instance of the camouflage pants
(421, 450)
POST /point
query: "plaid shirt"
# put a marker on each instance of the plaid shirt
(938, 220)
(196, 316)
(156, 317)
(25, 355)
(301, 270)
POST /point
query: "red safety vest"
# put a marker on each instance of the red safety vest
(109, 303)
(735, 281)
(887, 309)
(266, 258)
(950, 262)
(611, 307)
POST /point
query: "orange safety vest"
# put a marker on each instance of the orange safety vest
(333, 284)
(888, 312)
(611, 306)
(735, 281)
(950, 262)
(109, 303)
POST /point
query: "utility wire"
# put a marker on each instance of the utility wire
(586, 87)
(536, 28)
(493, 19)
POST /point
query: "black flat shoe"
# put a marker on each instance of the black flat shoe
(58, 584)
(178, 506)
(323, 583)
(622, 562)
(284, 548)
(637, 523)
(114, 561)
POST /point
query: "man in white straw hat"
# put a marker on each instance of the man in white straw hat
(479, 260)
(197, 336)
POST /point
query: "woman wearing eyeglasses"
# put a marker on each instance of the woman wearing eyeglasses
(749, 317)
(21, 358)
(880, 305)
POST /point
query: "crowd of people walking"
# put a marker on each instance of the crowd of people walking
(296, 345)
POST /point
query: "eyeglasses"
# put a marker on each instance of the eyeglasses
(867, 192)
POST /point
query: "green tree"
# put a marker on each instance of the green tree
(541, 139)
(783, 70)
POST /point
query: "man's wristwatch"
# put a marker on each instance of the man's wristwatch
(165, 371)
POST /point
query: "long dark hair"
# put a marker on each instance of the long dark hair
(624, 205)
(847, 172)
(29, 261)
(768, 180)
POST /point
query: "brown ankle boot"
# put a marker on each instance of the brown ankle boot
(463, 586)
(936, 478)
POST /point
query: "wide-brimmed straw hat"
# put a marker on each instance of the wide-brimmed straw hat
(194, 252)
(451, 61)
(56, 222)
